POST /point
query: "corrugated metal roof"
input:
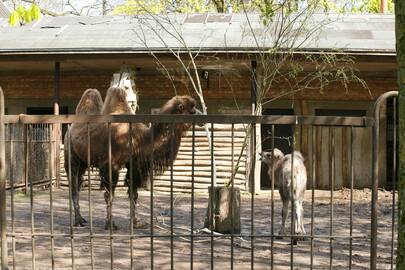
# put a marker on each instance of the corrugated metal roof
(202, 32)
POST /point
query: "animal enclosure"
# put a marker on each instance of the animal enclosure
(345, 229)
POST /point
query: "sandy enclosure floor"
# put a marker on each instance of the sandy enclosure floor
(242, 247)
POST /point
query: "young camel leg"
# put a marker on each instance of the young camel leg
(299, 223)
(284, 214)
(302, 219)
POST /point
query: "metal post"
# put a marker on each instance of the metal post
(253, 98)
(374, 193)
(57, 128)
(3, 214)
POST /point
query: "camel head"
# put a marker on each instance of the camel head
(180, 105)
(267, 158)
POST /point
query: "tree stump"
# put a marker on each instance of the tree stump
(225, 201)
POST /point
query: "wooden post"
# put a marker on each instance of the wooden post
(56, 126)
(225, 200)
(383, 6)
(3, 207)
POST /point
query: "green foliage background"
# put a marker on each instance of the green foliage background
(22, 15)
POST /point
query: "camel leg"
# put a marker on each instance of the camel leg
(109, 223)
(136, 182)
(302, 219)
(297, 210)
(79, 220)
(284, 214)
(77, 170)
(299, 224)
(137, 223)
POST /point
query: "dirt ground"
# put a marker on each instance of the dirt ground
(242, 248)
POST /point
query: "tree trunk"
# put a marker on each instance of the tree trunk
(219, 5)
(225, 203)
(400, 43)
(104, 7)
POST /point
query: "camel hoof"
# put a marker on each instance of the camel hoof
(301, 238)
(107, 226)
(138, 224)
(80, 222)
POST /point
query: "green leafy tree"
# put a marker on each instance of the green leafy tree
(132, 7)
(400, 43)
(22, 15)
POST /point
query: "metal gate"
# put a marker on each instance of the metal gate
(345, 230)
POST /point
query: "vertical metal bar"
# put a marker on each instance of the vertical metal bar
(293, 239)
(11, 135)
(70, 199)
(375, 174)
(131, 199)
(253, 98)
(57, 126)
(192, 198)
(50, 167)
(272, 201)
(89, 195)
(394, 175)
(212, 196)
(171, 200)
(3, 206)
(313, 174)
(151, 205)
(31, 183)
(332, 186)
(252, 204)
(351, 198)
(110, 182)
(26, 159)
(232, 192)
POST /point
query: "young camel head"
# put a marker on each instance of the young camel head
(271, 160)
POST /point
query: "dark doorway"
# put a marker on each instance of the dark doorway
(282, 140)
(46, 110)
(340, 112)
(49, 111)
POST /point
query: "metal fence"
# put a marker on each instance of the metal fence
(344, 231)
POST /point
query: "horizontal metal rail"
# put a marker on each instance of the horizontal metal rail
(188, 235)
(198, 119)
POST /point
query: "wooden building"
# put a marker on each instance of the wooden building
(46, 66)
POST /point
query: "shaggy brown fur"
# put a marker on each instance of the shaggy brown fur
(142, 145)
(166, 143)
(76, 140)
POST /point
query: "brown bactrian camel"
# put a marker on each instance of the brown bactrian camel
(144, 140)
(90, 104)
(165, 147)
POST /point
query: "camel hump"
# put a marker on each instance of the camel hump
(90, 102)
(116, 102)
